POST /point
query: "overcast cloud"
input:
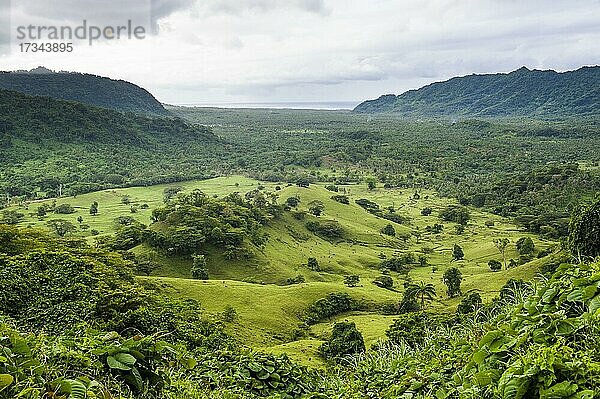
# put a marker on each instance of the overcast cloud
(210, 51)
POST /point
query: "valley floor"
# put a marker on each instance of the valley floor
(270, 312)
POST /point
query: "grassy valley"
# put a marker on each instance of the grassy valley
(295, 254)
(272, 311)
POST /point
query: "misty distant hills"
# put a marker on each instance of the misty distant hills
(84, 88)
(523, 92)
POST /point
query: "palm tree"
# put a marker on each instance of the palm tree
(423, 292)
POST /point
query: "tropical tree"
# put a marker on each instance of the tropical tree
(316, 207)
(371, 184)
(292, 201)
(452, 279)
(584, 231)
(470, 303)
(94, 208)
(351, 280)
(421, 291)
(494, 265)
(199, 270)
(345, 340)
(61, 227)
(501, 244)
(456, 214)
(12, 217)
(384, 281)
(313, 264)
(389, 230)
(457, 253)
(525, 246)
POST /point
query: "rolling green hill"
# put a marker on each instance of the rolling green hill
(84, 88)
(270, 309)
(523, 92)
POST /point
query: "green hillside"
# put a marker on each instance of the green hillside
(88, 89)
(335, 255)
(48, 145)
(272, 310)
(524, 92)
(247, 315)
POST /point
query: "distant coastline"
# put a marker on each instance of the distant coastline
(324, 105)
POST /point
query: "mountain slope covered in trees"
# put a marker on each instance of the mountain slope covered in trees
(88, 89)
(48, 145)
(523, 92)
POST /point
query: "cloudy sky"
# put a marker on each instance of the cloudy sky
(213, 51)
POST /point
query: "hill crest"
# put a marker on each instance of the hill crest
(522, 92)
(88, 89)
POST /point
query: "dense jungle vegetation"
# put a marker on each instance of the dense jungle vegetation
(532, 170)
(222, 253)
(84, 88)
(524, 92)
(51, 147)
(535, 171)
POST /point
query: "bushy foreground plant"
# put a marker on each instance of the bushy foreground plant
(542, 347)
(345, 340)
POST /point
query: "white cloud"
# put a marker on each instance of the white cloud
(268, 50)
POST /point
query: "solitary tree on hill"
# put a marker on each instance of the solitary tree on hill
(457, 253)
(94, 208)
(351, 280)
(199, 271)
(316, 207)
(494, 265)
(525, 246)
(501, 244)
(421, 291)
(61, 227)
(313, 264)
(452, 279)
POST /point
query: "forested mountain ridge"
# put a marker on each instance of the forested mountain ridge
(46, 144)
(524, 92)
(85, 88)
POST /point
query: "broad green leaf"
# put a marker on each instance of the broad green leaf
(549, 295)
(117, 365)
(513, 387)
(20, 346)
(190, 362)
(125, 358)
(565, 327)
(576, 295)
(589, 292)
(6, 380)
(479, 356)
(254, 367)
(77, 389)
(594, 304)
(562, 390)
(587, 394)
(490, 337)
(483, 378)
(139, 382)
(263, 375)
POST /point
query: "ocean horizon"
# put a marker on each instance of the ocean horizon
(317, 105)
